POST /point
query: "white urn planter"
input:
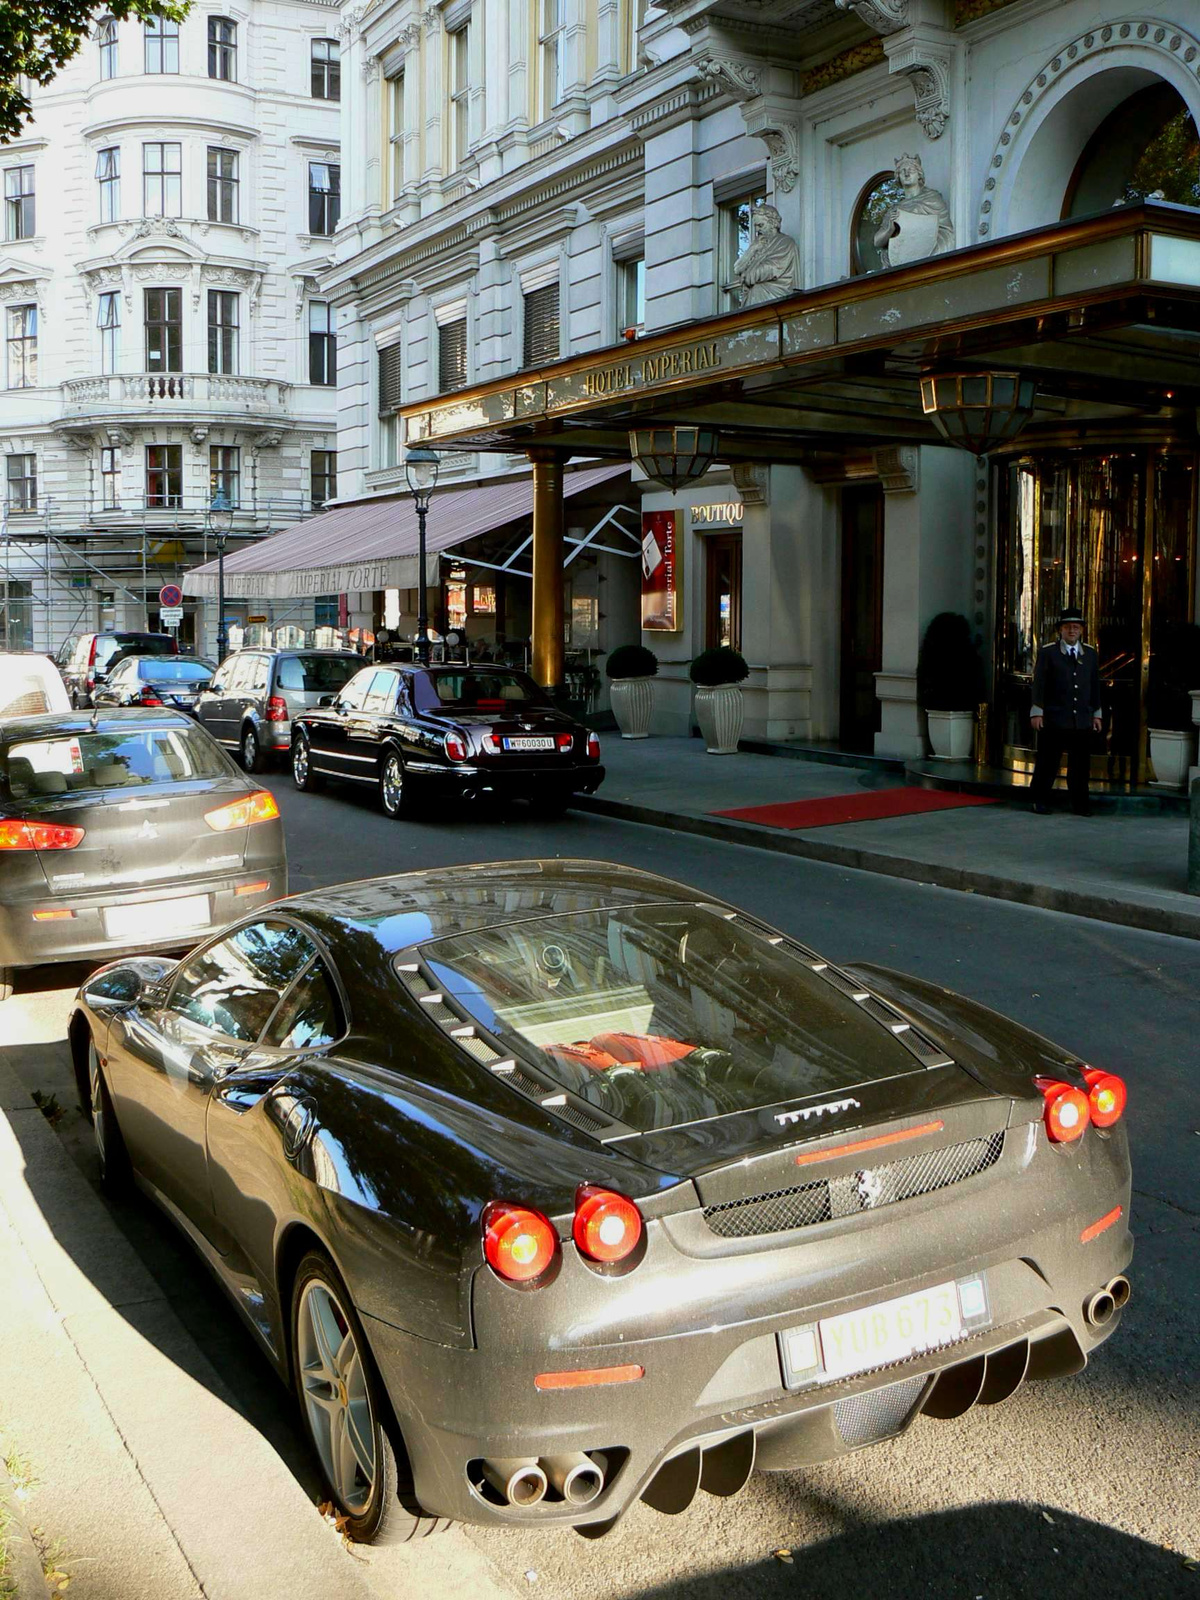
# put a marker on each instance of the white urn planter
(632, 703)
(952, 734)
(719, 713)
(1170, 756)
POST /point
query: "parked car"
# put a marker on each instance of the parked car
(175, 681)
(550, 1185)
(88, 658)
(30, 683)
(124, 830)
(254, 695)
(446, 732)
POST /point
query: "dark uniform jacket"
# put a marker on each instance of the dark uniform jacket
(1066, 690)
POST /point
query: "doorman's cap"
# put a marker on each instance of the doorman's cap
(1070, 614)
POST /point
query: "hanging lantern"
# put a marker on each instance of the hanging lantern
(978, 410)
(674, 455)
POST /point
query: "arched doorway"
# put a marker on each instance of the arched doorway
(1148, 148)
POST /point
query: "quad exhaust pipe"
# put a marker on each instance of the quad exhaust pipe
(519, 1479)
(576, 1477)
(1120, 1288)
(523, 1481)
(1100, 1308)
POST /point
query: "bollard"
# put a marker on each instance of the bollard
(1193, 877)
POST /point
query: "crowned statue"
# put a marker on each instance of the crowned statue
(919, 224)
(769, 267)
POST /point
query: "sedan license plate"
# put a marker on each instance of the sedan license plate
(538, 742)
(877, 1335)
(154, 917)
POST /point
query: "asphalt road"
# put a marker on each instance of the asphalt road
(1088, 1486)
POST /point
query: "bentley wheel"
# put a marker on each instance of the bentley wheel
(346, 1413)
(394, 791)
(110, 1146)
(302, 769)
(251, 752)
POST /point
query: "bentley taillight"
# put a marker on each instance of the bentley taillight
(455, 746)
(593, 746)
(1106, 1096)
(564, 741)
(608, 1227)
(518, 1244)
(1066, 1110)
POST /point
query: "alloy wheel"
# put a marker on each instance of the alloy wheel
(337, 1404)
(300, 763)
(250, 750)
(392, 784)
(96, 1103)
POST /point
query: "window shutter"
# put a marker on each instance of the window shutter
(541, 326)
(390, 379)
(452, 355)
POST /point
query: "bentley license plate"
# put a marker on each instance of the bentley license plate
(538, 742)
(891, 1331)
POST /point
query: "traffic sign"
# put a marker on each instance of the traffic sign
(170, 596)
(171, 616)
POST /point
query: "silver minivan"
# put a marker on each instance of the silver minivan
(254, 694)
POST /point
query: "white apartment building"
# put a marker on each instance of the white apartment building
(543, 208)
(166, 219)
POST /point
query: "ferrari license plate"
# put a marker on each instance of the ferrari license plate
(877, 1335)
(154, 917)
(534, 742)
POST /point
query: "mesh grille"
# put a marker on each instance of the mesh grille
(845, 1196)
(863, 1418)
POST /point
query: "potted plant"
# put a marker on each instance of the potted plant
(717, 674)
(1171, 706)
(950, 685)
(631, 670)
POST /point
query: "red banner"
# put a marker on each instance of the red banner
(660, 572)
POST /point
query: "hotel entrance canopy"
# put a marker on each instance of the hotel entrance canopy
(1103, 311)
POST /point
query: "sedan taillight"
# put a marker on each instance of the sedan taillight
(17, 834)
(148, 698)
(593, 746)
(455, 746)
(257, 807)
(277, 709)
(564, 741)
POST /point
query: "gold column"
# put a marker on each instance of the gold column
(547, 568)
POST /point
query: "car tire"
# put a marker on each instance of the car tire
(250, 750)
(7, 975)
(303, 775)
(395, 796)
(115, 1169)
(345, 1412)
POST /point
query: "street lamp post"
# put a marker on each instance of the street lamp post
(220, 520)
(421, 470)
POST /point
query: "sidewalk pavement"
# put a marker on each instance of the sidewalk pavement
(1125, 867)
(149, 1483)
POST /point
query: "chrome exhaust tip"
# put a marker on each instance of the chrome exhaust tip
(576, 1477)
(1120, 1288)
(1099, 1308)
(518, 1478)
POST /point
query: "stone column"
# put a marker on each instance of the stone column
(547, 629)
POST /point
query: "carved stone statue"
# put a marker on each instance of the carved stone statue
(769, 267)
(919, 225)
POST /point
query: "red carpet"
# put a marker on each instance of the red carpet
(863, 806)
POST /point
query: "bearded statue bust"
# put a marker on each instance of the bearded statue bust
(919, 224)
(769, 267)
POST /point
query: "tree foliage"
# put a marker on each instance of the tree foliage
(37, 37)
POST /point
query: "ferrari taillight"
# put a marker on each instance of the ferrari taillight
(257, 807)
(593, 746)
(608, 1227)
(455, 746)
(1106, 1096)
(1066, 1110)
(17, 834)
(518, 1244)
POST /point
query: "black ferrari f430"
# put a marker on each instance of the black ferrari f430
(552, 1185)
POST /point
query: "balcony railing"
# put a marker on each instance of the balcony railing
(182, 391)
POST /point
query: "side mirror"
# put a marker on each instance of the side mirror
(119, 987)
(326, 701)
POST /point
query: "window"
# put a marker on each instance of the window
(108, 176)
(309, 1015)
(224, 474)
(108, 47)
(234, 986)
(323, 471)
(164, 330)
(164, 475)
(326, 70)
(16, 614)
(222, 185)
(460, 85)
(452, 355)
(110, 478)
(222, 49)
(22, 347)
(391, 378)
(395, 101)
(162, 180)
(381, 694)
(550, 54)
(162, 45)
(108, 320)
(19, 211)
(222, 330)
(22, 483)
(631, 294)
(324, 197)
(322, 345)
(541, 325)
(735, 224)
(876, 200)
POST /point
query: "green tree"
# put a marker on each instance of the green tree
(1169, 165)
(38, 36)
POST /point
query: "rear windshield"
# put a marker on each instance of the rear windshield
(656, 1015)
(83, 762)
(109, 646)
(172, 669)
(489, 691)
(316, 674)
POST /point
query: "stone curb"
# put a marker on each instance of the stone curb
(23, 1576)
(1098, 907)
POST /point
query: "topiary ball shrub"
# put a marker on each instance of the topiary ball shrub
(631, 661)
(949, 671)
(711, 668)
